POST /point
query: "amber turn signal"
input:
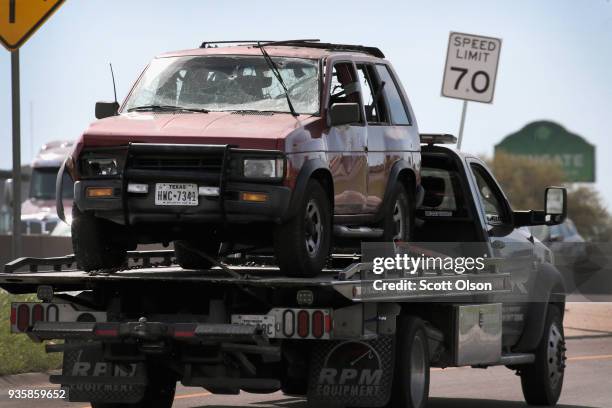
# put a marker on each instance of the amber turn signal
(99, 192)
(254, 197)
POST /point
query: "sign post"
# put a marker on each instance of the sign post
(470, 71)
(19, 19)
(16, 154)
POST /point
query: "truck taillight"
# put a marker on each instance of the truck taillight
(37, 314)
(23, 317)
(303, 327)
(318, 324)
(289, 323)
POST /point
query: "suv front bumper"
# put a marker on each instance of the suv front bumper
(139, 208)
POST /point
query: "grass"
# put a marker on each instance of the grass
(19, 354)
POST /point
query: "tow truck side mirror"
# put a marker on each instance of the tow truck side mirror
(106, 109)
(555, 210)
(8, 192)
(343, 114)
(555, 205)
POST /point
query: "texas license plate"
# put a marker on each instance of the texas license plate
(176, 194)
(265, 322)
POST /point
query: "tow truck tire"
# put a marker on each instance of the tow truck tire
(92, 242)
(411, 374)
(302, 244)
(542, 381)
(188, 259)
(159, 393)
(398, 219)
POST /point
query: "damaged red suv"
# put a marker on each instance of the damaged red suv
(290, 148)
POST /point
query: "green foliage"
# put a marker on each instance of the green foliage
(586, 208)
(19, 354)
(524, 180)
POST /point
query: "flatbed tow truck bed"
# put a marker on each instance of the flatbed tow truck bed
(353, 281)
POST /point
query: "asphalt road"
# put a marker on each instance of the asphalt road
(588, 384)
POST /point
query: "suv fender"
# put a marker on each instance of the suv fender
(549, 288)
(306, 173)
(399, 173)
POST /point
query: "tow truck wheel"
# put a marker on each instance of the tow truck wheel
(159, 393)
(411, 374)
(302, 244)
(397, 222)
(542, 381)
(92, 242)
(188, 259)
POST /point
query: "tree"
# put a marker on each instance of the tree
(524, 180)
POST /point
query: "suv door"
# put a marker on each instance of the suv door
(390, 134)
(346, 144)
(375, 111)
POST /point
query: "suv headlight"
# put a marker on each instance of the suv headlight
(263, 168)
(102, 166)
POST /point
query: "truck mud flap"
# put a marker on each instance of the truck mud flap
(86, 377)
(352, 373)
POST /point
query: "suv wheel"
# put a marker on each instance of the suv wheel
(302, 244)
(398, 219)
(92, 242)
(188, 259)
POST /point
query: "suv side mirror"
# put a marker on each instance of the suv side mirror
(106, 109)
(8, 192)
(344, 114)
(555, 205)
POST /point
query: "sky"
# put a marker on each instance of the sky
(554, 65)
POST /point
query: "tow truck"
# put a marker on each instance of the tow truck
(242, 325)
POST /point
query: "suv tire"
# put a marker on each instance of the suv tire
(398, 218)
(302, 244)
(188, 259)
(542, 381)
(92, 242)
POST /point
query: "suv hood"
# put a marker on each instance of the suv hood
(250, 130)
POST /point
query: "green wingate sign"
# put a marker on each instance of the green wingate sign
(545, 140)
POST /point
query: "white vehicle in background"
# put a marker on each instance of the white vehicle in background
(38, 211)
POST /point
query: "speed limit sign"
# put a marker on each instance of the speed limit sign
(471, 67)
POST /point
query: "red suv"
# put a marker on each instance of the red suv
(290, 147)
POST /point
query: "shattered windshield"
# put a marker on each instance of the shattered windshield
(228, 83)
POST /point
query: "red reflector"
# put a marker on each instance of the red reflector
(23, 318)
(303, 323)
(13, 316)
(318, 320)
(328, 324)
(184, 334)
(106, 332)
(37, 314)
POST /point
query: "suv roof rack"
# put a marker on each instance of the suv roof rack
(437, 138)
(214, 44)
(309, 43)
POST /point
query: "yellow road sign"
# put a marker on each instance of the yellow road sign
(19, 19)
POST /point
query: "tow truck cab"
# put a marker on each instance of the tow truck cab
(131, 335)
